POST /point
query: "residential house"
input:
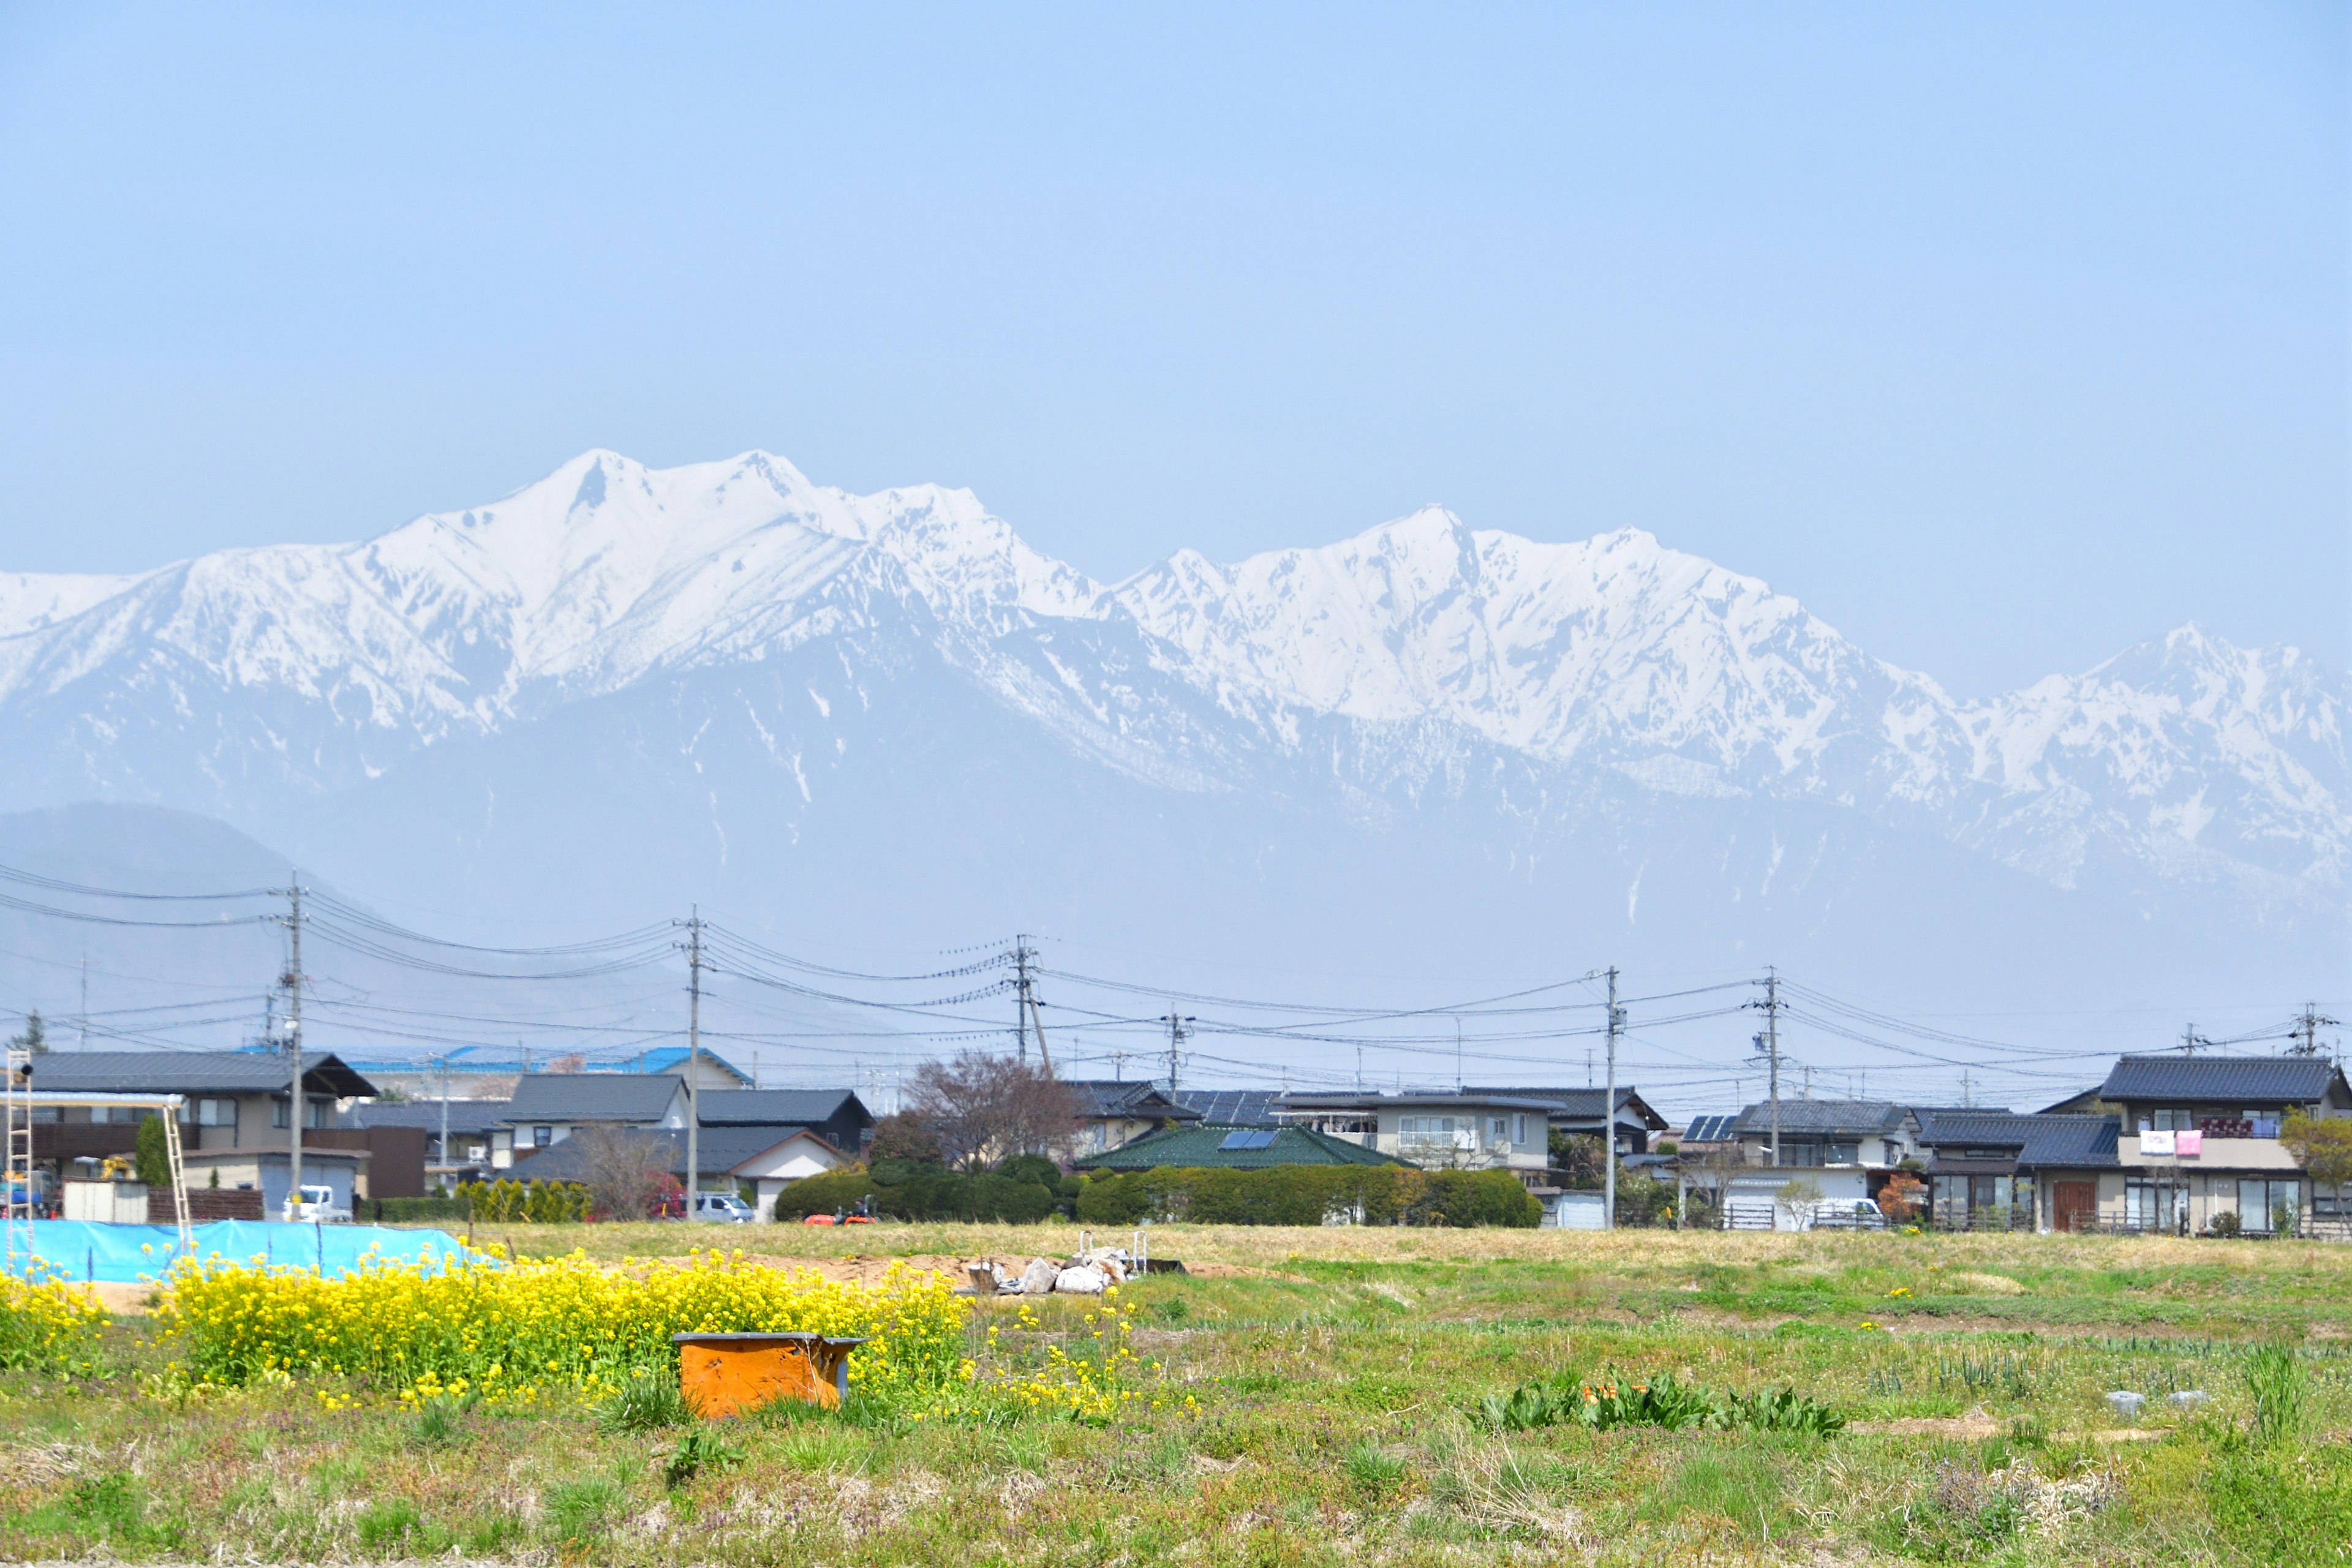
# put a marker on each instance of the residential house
(1230, 1107)
(1580, 1112)
(549, 1107)
(1215, 1147)
(712, 1072)
(835, 1115)
(480, 1143)
(1835, 1156)
(1112, 1112)
(760, 1160)
(1999, 1169)
(236, 1124)
(1453, 1129)
(2200, 1139)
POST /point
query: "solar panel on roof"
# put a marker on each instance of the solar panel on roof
(1249, 1137)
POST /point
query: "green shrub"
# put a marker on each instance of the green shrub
(841, 1190)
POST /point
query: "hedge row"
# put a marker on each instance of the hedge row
(932, 1195)
(1311, 1194)
(538, 1203)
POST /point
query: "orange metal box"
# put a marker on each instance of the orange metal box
(722, 1374)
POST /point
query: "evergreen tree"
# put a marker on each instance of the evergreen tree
(152, 1163)
(36, 1038)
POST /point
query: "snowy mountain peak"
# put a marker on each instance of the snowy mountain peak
(1614, 653)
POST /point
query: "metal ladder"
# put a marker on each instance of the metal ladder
(17, 1202)
(179, 1176)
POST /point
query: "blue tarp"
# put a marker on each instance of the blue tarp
(126, 1253)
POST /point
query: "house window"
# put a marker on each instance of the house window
(316, 1114)
(1499, 1130)
(2168, 1119)
(542, 1137)
(1518, 1128)
(2153, 1205)
(218, 1113)
(1834, 1154)
(1426, 1131)
(2261, 1205)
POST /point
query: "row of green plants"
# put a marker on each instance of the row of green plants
(533, 1203)
(1662, 1400)
(1311, 1194)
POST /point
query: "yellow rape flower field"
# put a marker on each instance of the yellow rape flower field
(1296, 1397)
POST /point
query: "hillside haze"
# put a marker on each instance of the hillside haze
(1424, 755)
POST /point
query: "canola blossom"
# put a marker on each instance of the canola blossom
(48, 1323)
(546, 1330)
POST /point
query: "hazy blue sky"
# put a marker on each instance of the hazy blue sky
(2003, 336)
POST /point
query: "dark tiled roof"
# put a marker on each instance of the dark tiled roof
(719, 1151)
(1103, 1097)
(1197, 1148)
(778, 1107)
(192, 1072)
(1230, 1107)
(2252, 1081)
(1816, 1118)
(592, 1096)
(1717, 1129)
(1584, 1103)
(2039, 1139)
(472, 1117)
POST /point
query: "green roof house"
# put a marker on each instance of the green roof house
(1218, 1148)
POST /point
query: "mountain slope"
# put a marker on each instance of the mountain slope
(771, 667)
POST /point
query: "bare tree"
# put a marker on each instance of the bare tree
(626, 1170)
(983, 1109)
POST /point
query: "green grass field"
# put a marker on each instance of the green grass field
(1334, 1381)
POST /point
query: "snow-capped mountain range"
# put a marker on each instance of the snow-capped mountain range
(302, 671)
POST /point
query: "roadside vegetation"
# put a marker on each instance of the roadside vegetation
(1372, 1395)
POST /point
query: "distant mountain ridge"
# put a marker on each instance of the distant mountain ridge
(1360, 671)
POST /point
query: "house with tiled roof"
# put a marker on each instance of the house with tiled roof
(1207, 1146)
(1114, 1112)
(2002, 1171)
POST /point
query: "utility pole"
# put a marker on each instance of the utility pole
(444, 1120)
(1966, 1099)
(2189, 1041)
(1458, 1055)
(1771, 1042)
(1176, 1036)
(1359, 1069)
(85, 1000)
(1807, 1093)
(2306, 1031)
(1028, 1019)
(1609, 1112)
(292, 981)
(693, 1062)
